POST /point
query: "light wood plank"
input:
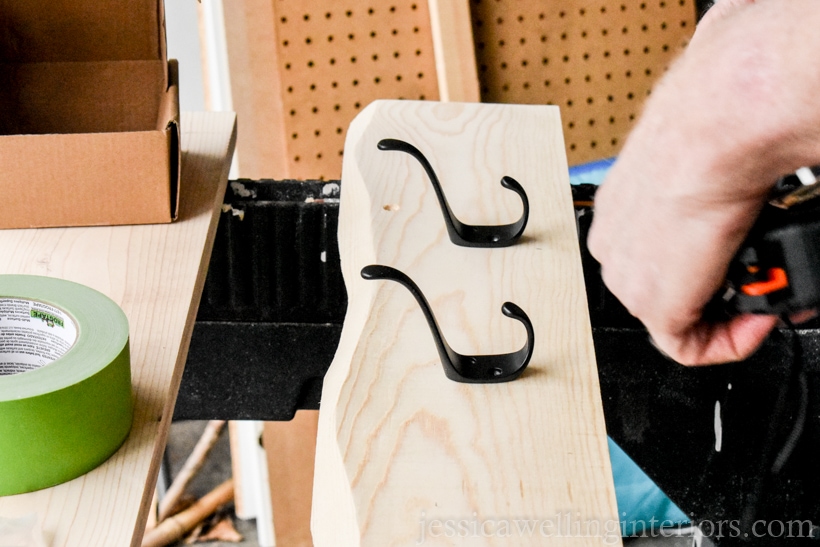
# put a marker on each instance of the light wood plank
(291, 450)
(155, 273)
(450, 21)
(398, 443)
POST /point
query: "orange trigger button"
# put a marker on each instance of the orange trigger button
(777, 280)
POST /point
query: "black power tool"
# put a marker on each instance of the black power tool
(777, 269)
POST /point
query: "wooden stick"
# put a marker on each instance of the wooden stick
(174, 528)
(192, 466)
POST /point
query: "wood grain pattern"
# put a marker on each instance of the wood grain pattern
(454, 49)
(155, 273)
(399, 445)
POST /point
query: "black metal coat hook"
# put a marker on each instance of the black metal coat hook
(462, 234)
(471, 369)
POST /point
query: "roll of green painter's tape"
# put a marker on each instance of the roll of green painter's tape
(65, 381)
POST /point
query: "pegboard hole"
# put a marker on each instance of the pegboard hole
(567, 81)
(420, 75)
(318, 155)
(317, 133)
(338, 130)
(334, 84)
(348, 13)
(337, 107)
(294, 136)
(312, 87)
(376, 80)
(285, 43)
(526, 85)
(372, 33)
(370, 11)
(545, 61)
(315, 110)
(593, 144)
(572, 146)
(546, 83)
(306, 17)
(612, 119)
(375, 57)
(327, 15)
(398, 77)
(296, 158)
(290, 89)
(332, 61)
(571, 125)
(357, 104)
(565, 58)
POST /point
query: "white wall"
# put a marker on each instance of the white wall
(183, 45)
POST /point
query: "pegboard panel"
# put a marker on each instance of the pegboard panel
(335, 58)
(595, 59)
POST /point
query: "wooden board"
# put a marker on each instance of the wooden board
(399, 445)
(155, 273)
(597, 60)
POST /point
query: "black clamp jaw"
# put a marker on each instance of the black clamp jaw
(777, 269)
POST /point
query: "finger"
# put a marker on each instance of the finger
(711, 344)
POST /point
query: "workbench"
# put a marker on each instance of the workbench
(156, 274)
(271, 318)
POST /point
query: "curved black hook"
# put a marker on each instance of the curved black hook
(462, 234)
(471, 369)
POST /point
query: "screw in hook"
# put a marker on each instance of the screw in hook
(471, 369)
(467, 235)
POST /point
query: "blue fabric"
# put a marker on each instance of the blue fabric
(641, 504)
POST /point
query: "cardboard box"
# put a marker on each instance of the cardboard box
(89, 114)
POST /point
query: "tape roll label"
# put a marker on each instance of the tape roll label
(32, 335)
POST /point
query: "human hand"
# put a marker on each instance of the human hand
(734, 113)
